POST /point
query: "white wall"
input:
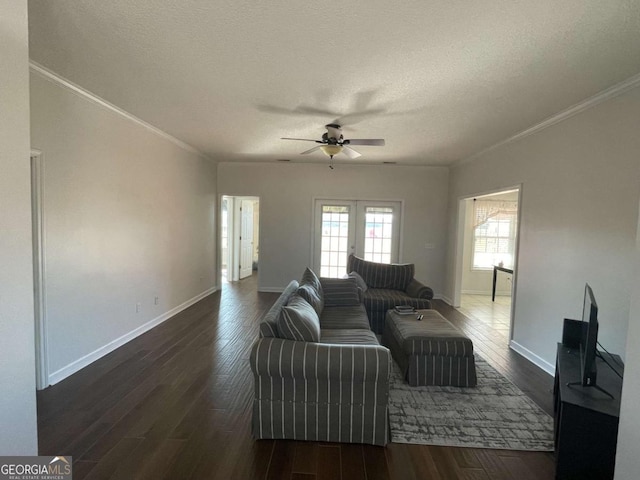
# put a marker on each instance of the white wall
(627, 460)
(18, 431)
(287, 192)
(129, 216)
(579, 212)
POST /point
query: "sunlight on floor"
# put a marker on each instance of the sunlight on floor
(495, 314)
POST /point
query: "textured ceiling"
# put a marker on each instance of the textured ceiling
(439, 80)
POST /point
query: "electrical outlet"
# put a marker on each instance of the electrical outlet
(138, 307)
(155, 300)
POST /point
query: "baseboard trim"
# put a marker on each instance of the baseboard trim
(444, 298)
(82, 362)
(532, 357)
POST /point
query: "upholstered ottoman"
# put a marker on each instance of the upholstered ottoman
(430, 351)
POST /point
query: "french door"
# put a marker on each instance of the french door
(369, 229)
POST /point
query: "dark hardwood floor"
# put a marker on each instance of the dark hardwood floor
(175, 403)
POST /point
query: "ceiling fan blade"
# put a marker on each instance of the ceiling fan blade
(350, 152)
(309, 110)
(311, 150)
(302, 139)
(379, 142)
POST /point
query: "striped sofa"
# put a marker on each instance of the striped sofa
(333, 390)
(388, 285)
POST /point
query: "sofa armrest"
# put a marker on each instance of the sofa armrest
(417, 289)
(277, 357)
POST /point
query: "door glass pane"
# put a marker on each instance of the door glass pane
(335, 241)
(378, 234)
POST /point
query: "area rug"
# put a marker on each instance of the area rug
(495, 414)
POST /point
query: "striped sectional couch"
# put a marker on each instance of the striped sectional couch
(322, 377)
(385, 286)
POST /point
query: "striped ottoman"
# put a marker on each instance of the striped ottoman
(430, 351)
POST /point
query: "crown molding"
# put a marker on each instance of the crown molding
(607, 94)
(63, 82)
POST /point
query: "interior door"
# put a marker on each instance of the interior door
(246, 238)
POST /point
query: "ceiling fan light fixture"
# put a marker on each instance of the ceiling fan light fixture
(331, 150)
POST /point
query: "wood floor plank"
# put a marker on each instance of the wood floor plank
(253, 460)
(161, 461)
(110, 462)
(400, 464)
(444, 461)
(329, 463)
(282, 457)
(518, 468)
(375, 463)
(306, 458)
(81, 469)
(492, 464)
(422, 462)
(176, 402)
(352, 457)
(466, 458)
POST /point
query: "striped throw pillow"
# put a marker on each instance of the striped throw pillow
(311, 295)
(339, 292)
(299, 321)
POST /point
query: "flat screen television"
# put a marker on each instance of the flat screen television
(589, 342)
(589, 338)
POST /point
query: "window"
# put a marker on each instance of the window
(494, 233)
(378, 234)
(369, 229)
(334, 246)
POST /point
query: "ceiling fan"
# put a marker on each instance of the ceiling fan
(333, 142)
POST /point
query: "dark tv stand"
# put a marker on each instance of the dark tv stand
(597, 387)
(585, 419)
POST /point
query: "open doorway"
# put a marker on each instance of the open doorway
(487, 258)
(239, 237)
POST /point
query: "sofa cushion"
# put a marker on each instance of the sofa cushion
(299, 321)
(340, 292)
(381, 275)
(350, 317)
(344, 336)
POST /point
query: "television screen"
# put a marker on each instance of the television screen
(589, 337)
